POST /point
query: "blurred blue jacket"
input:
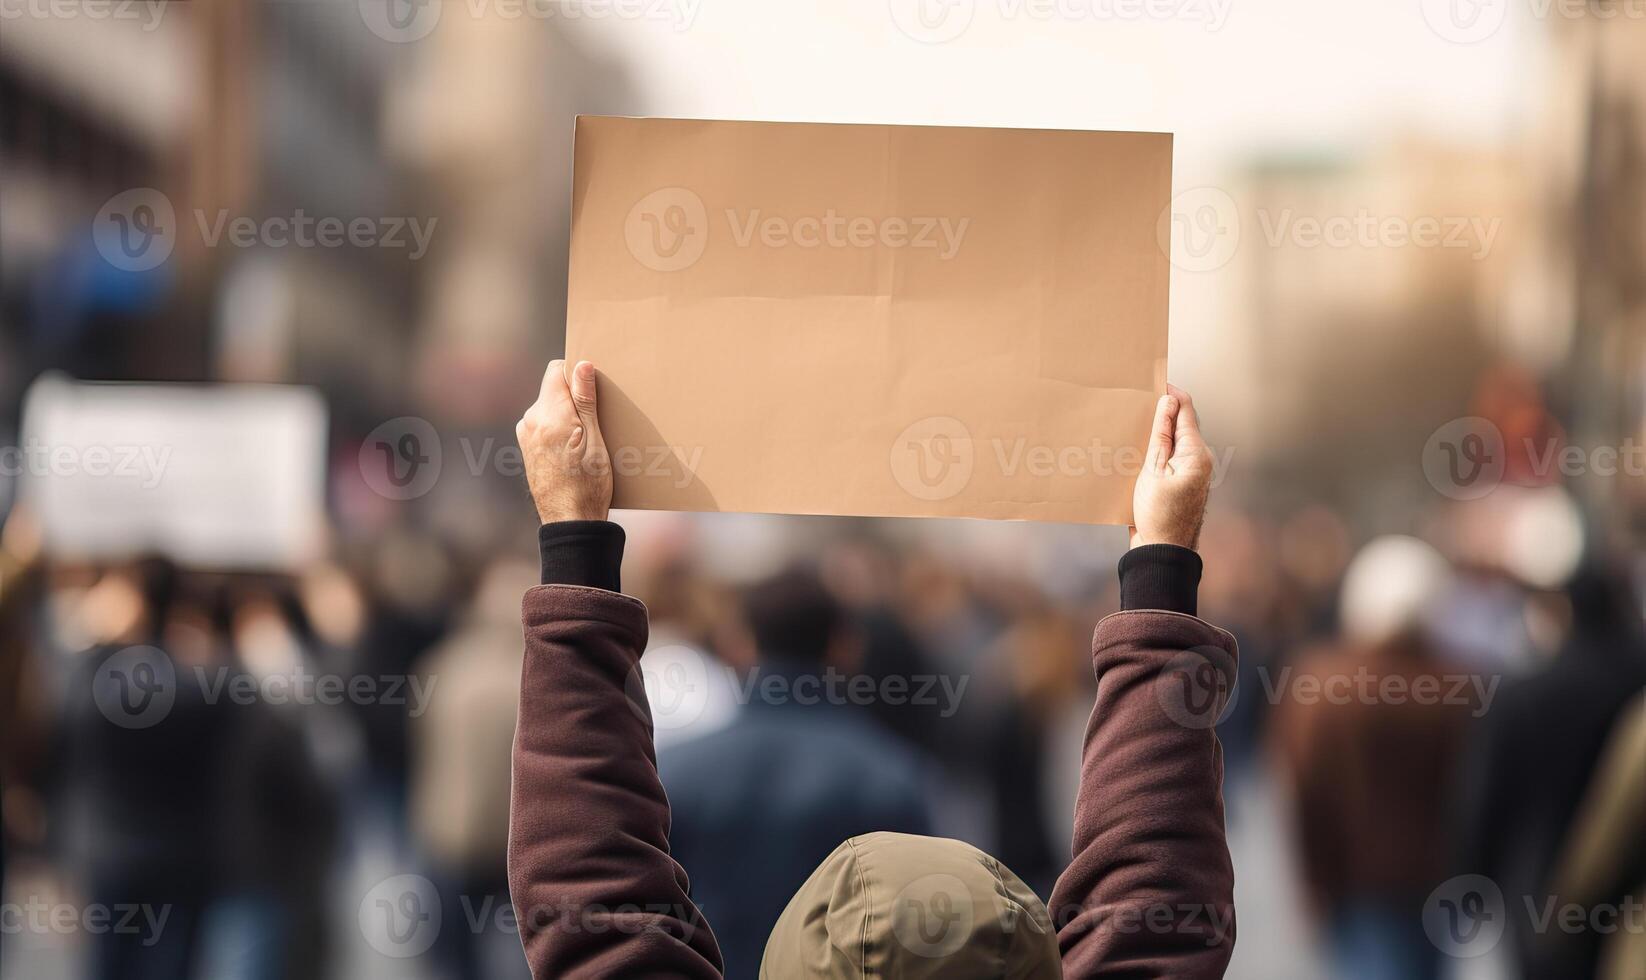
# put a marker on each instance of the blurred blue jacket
(760, 803)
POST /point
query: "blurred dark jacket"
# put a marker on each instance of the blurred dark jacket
(278, 835)
(149, 799)
(1371, 775)
(759, 804)
(393, 641)
(1534, 755)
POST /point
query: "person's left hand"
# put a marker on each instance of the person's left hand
(567, 466)
(1169, 501)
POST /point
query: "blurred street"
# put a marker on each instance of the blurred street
(260, 598)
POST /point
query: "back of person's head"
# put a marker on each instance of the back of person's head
(794, 618)
(896, 905)
(1391, 588)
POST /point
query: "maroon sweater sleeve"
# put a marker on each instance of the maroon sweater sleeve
(1150, 892)
(594, 888)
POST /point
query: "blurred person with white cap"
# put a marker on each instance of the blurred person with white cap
(1369, 731)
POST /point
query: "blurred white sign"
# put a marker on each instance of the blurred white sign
(216, 476)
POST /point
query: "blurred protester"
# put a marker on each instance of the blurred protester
(408, 599)
(460, 768)
(1603, 862)
(598, 892)
(1004, 662)
(143, 743)
(1244, 592)
(693, 624)
(282, 815)
(749, 817)
(282, 821)
(1313, 547)
(1036, 664)
(1534, 754)
(988, 740)
(1371, 762)
(862, 573)
(945, 628)
(193, 799)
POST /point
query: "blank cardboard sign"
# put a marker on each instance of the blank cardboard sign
(871, 320)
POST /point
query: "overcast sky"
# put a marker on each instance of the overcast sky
(1231, 78)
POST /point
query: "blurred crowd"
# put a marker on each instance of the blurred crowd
(236, 763)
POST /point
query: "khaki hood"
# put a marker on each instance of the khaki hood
(903, 907)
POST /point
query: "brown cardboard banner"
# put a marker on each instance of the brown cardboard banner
(871, 320)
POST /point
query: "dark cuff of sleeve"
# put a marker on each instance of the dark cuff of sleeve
(582, 553)
(1160, 576)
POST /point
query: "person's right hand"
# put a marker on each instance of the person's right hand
(567, 466)
(1169, 501)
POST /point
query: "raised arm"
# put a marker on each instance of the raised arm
(594, 888)
(1150, 892)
